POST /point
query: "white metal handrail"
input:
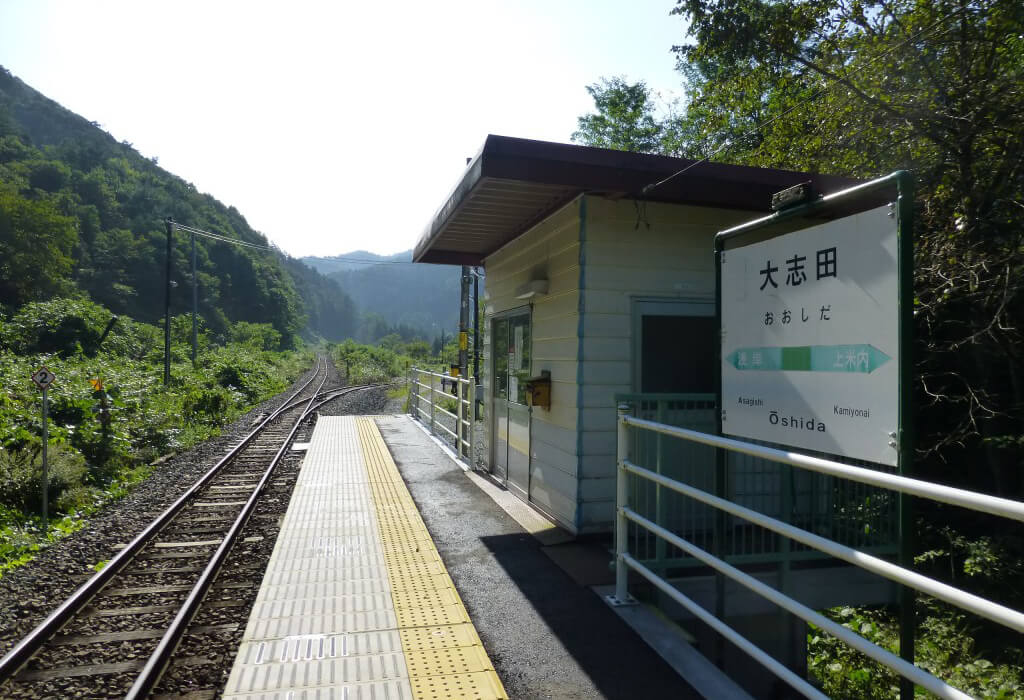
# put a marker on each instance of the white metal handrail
(624, 561)
(951, 594)
(915, 487)
(904, 668)
(759, 655)
(462, 436)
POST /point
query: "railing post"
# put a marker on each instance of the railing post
(659, 500)
(433, 398)
(621, 596)
(472, 424)
(412, 392)
(458, 416)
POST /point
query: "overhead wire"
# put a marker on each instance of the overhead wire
(226, 239)
(647, 189)
(220, 237)
(363, 261)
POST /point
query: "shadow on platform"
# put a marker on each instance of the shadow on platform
(618, 662)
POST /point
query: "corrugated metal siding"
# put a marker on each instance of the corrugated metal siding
(549, 250)
(667, 251)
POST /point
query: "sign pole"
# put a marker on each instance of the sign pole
(43, 378)
(721, 463)
(905, 432)
(46, 467)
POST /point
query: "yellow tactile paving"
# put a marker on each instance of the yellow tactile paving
(440, 637)
(458, 686)
(443, 653)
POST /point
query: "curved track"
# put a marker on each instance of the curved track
(117, 633)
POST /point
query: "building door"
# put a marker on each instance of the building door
(510, 360)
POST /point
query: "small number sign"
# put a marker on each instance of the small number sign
(43, 377)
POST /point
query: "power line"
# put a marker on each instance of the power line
(225, 239)
(363, 261)
(647, 189)
(220, 237)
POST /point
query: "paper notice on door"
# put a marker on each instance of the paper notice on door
(519, 347)
(513, 388)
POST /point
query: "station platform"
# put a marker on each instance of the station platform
(396, 576)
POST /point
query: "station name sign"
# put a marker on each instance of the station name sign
(810, 338)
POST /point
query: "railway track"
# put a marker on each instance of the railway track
(119, 632)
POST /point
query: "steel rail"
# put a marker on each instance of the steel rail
(332, 394)
(338, 393)
(161, 656)
(12, 662)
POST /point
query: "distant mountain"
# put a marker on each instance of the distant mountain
(353, 261)
(421, 298)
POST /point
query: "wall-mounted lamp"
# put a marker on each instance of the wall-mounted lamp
(533, 288)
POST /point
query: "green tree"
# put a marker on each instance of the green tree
(36, 242)
(625, 119)
(869, 87)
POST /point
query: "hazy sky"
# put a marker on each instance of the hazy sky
(333, 126)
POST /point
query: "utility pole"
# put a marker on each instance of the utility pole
(476, 326)
(476, 343)
(464, 322)
(167, 306)
(195, 302)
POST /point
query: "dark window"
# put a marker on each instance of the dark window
(678, 354)
(500, 353)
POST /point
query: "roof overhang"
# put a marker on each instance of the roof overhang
(512, 184)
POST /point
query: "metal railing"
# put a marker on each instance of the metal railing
(431, 395)
(851, 513)
(629, 472)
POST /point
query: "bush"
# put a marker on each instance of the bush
(206, 405)
(62, 326)
(66, 326)
(110, 414)
(366, 364)
(21, 475)
(945, 647)
(261, 336)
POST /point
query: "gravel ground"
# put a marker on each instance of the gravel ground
(30, 592)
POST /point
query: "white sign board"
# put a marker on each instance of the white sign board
(43, 377)
(810, 333)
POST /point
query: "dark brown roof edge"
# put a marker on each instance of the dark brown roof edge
(624, 173)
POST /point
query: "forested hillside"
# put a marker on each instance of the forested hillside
(82, 213)
(415, 300)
